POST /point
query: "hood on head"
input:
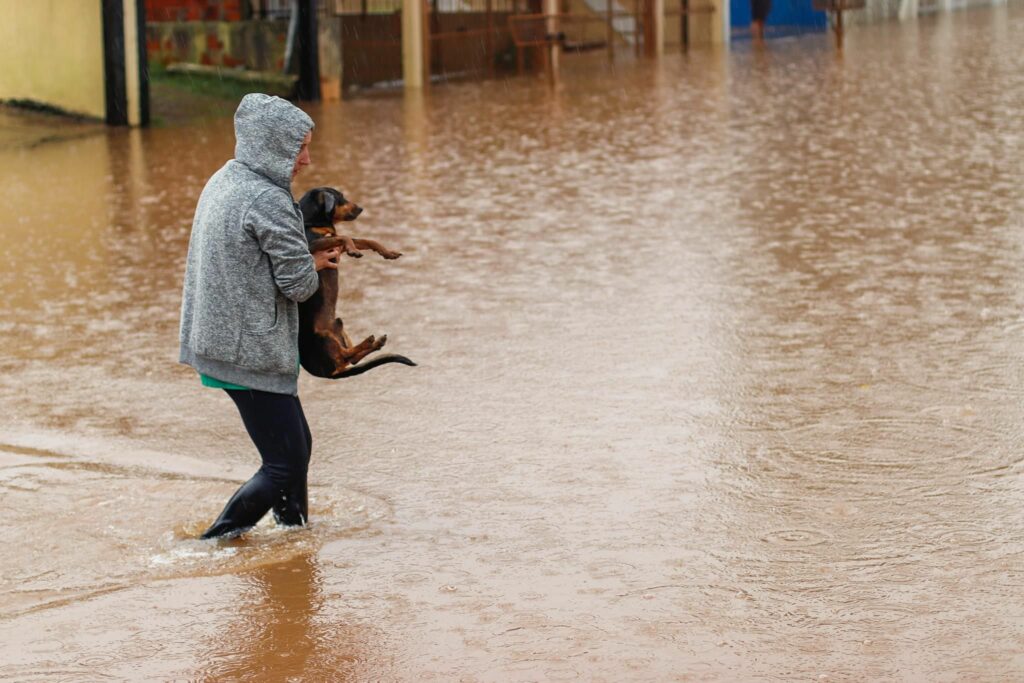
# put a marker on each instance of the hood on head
(268, 134)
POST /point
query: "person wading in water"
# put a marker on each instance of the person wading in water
(759, 10)
(248, 266)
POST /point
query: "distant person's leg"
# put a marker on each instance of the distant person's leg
(759, 10)
(277, 426)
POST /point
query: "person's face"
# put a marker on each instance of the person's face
(302, 161)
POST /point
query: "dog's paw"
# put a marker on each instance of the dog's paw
(355, 254)
(390, 255)
(379, 344)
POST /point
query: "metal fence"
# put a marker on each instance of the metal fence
(466, 38)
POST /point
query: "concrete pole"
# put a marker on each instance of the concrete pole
(550, 8)
(329, 44)
(908, 9)
(131, 62)
(658, 28)
(709, 28)
(724, 19)
(414, 22)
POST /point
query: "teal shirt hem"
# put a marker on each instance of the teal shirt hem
(215, 383)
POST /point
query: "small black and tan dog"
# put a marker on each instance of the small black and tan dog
(325, 350)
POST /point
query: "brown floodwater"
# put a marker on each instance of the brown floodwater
(720, 378)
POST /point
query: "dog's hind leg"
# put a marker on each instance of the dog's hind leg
(365, 348)
(339, 331)
(359, 352)
(356, 353)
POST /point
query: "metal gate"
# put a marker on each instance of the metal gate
(370, 32)
(466, 38)
(471, 38)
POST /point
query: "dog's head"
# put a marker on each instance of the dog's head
(322, 207)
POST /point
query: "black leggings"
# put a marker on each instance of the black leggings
(278, 427)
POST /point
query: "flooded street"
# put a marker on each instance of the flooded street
(720, 378)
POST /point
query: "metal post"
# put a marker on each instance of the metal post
(648, 15)
(520, 59)
(611, 29)
(684, 27)
(637, 33)
(657, 49)
(309, 52)
(113, 63)
(489, 42)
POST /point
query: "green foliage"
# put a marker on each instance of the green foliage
(213, 86)
(180, 98)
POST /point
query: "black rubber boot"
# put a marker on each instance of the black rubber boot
(247, 506)
(293, 509)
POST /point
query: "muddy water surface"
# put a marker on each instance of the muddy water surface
(720, 378)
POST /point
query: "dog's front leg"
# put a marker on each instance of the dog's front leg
(377, 247)
(343, 241)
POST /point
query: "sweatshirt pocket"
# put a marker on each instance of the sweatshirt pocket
(275, 348)
(274, 352)
(263, 317)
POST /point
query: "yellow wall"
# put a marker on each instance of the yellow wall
(51, 51)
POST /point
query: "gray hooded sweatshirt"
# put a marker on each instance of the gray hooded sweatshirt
(248, 261)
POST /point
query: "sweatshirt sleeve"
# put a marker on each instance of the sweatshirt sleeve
(277, 226)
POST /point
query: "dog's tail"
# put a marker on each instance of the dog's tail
(371, 364)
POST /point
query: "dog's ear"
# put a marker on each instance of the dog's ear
(329, 203)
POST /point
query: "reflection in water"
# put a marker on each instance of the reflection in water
(719, 378)
(281, 631)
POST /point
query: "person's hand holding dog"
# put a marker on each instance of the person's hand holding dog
(327, 258)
